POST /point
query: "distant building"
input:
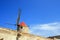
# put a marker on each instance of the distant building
(23, 28)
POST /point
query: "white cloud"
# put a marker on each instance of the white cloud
(46, 29)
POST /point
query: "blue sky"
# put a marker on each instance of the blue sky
(34, 12)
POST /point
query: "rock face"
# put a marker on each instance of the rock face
(55, 37)
(7, 34)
